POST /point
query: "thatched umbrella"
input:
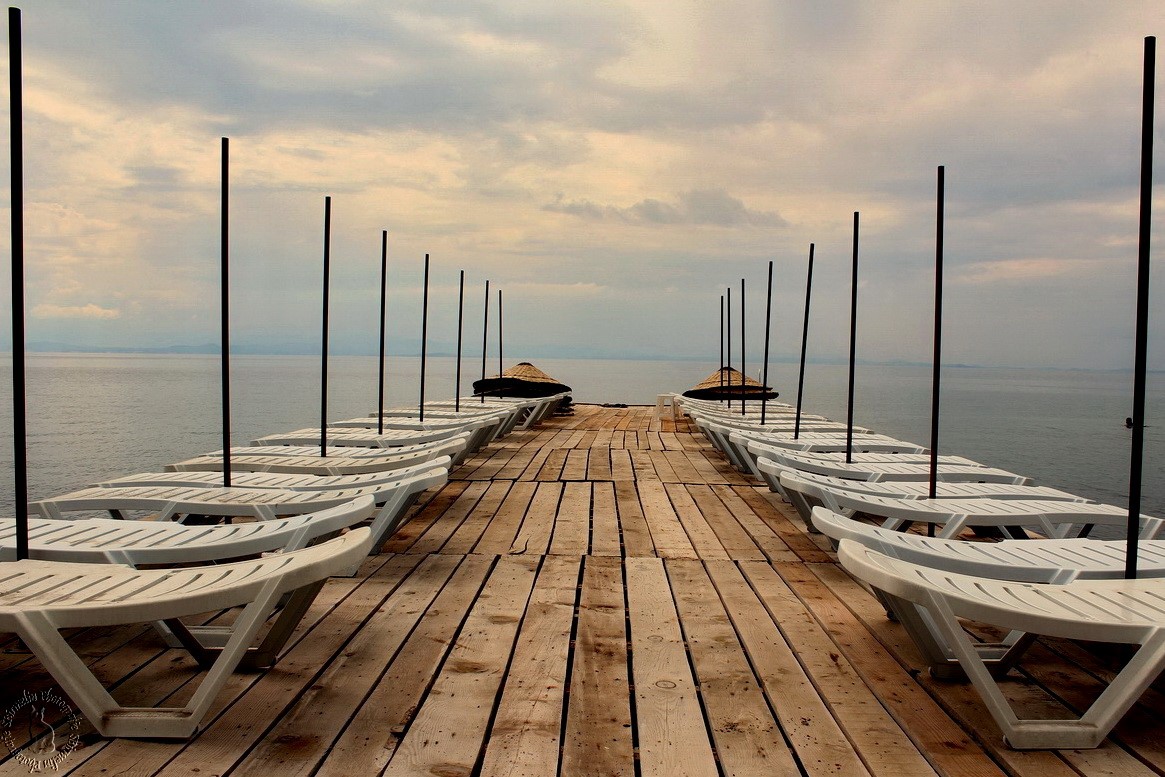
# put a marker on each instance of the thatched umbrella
(522, 380)
(729, 383)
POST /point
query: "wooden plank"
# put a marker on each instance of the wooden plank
(221, 745)
(736, 541)
(572, 527)
(683, 468)
(621, 466)
(599, 465)
(449, 522)
(663, 467)
(774, 548)
(469, 532)
(672, 738)
(747, 738)
(525, 736)
(449, 730)
(372, 736)
(703, 539)
(636, 535)
(551, 469)
(783, 520)
(597, 737)
(408, 532)
(534, 535)
(667, 534)
(644, 466)
(498, 537)
(605, 438)
(819, 742)
(605, 522)
(303, 736)
(576, 465)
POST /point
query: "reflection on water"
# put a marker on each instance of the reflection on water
(95, 416)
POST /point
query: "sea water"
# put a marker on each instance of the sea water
(97, 416)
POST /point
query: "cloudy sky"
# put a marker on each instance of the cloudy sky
(612, 166)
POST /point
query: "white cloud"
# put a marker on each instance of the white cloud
(48, 310)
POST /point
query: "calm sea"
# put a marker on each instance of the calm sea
(96, 416)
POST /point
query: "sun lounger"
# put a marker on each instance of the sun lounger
(751, 445)
(296, 465)
(39, 598)
(184, 502)
(881, 471)
(138, 543)
(806, 490)
(369, 438)
(1054, 518)
(288, 479)
(1123, 611)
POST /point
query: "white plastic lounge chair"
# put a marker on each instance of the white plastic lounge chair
(138, 543)
(1123, 611)
(317, 465)
(751, 445)
(806, 490)
(181, 502)
(1054, 518)
(369, 438)
(39, 598)
(287, 480)
(772, 467)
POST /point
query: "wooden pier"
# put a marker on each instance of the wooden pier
(601, 595)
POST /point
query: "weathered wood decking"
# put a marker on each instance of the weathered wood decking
(602, 595)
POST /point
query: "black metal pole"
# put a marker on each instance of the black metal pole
(424, 336)
(19, 419)
(460, 321)
(484, 338)
(743, 370)
(324, 337)
(728, 295)
(804, 343)
(383, 310)
(764, 402)
(500, 369)
(1140, 369)
(938, 337)
(225, 312)
(853, 332)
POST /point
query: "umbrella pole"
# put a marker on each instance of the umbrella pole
(853, 331)
(460, 320)
(500, 338)
(383, 306)
(225, 313)
(19, 419)
(804, 343)
(324, 339)
(1139, 377)
(764, 401)
(424, 336)
(938, 332)
(485, 338)
(743, 370)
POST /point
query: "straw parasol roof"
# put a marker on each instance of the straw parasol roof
(729, 383)
(521, 380)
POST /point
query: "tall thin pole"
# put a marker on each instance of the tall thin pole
(804, 343)
(1140, 369)
(460, 322)
(729, 333)
(383, 310)
(500, 369)
(938, 335)
(485, 338)
(764, 402)
(324, 339)
(225, 312)
(853, 333)
(19, 420)
(743, 370)
(424, 336)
